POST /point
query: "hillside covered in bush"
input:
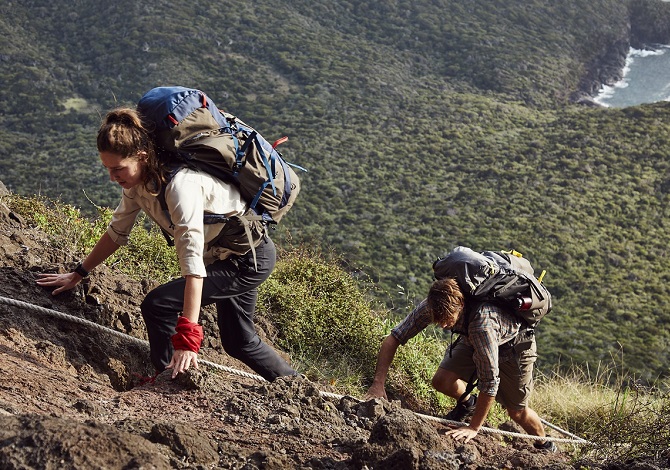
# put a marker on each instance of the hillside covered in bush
(424, 125)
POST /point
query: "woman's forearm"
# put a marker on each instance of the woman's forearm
(192, 298)
(102, 250)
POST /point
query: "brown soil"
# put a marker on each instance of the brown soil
(71, 397)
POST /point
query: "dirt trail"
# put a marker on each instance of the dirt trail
(71, 396)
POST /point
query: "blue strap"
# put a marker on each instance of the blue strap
(253, 137)
(287, 183)
(269, 166)
(238, 158)
(240, 153)
(297, 166)
(259, 194)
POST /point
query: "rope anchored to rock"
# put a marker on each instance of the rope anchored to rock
(82, 321)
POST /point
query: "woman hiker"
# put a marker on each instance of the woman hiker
(210, 274)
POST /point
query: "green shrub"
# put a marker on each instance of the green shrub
(413, 368)
(333, 331)
(321, 315)
(75, 235)
(64, 224)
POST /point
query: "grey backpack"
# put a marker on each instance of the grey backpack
(502, 277)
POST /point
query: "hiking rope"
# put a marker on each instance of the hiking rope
(141, 342)
(55, 313)
(574, 440)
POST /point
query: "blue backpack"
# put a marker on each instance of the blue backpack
(187, 123)
(189, 128)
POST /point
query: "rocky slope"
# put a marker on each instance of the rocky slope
(71, 395)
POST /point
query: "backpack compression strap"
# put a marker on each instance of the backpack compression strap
(270, 166)
(246, 222)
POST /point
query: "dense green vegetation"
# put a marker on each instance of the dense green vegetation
(424, 125)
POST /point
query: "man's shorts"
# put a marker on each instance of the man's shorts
(515, 369)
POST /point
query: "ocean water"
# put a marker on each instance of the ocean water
(646, 79)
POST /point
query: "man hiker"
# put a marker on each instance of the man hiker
(492, 347)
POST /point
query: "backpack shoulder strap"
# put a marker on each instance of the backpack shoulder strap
(170, 171)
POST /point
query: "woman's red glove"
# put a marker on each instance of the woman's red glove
(189, 335)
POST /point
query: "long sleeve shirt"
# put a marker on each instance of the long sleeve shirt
(488, 327)
(189, 195)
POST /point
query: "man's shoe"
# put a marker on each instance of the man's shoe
(463, 409)
(547, 445)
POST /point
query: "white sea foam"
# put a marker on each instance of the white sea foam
(647, 52)
(645, 79)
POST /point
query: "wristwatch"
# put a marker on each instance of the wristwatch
(79, 269)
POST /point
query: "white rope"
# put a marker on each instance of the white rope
(576, 440)
(96, 326)
(55, 313)
(564, 432)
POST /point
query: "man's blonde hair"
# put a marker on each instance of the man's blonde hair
(445, 302)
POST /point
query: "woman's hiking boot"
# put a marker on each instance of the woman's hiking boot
(463, 409)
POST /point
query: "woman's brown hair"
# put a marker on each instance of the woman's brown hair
(123, 133)
(445, 302)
